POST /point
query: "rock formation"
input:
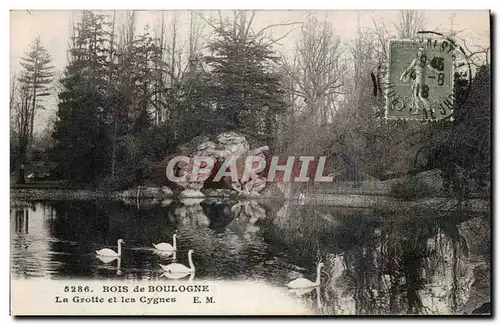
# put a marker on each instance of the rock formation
(220, 148)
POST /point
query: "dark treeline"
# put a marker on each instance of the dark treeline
(122, 108)
(126, 100)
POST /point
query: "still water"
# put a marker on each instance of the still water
(375, 262)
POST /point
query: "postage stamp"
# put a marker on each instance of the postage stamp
(236, 162)
(418, 79)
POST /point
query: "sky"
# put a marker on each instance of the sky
(53, 27)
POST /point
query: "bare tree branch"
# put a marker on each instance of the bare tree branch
(276, 25)
(317, 70)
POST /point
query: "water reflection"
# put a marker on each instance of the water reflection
(109, 259)
(22, 221)
(374, 263)
(166, 254)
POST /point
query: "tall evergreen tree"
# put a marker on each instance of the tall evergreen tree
(81, 131)
(192, 106)
(34, 83)
(249, 93)
(36, 77)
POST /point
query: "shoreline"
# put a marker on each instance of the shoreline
(347, 200)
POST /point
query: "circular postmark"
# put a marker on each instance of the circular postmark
(418, 78)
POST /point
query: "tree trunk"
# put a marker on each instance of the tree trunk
(33, 108)
(20, 177)
(113, 153)
(110, 77)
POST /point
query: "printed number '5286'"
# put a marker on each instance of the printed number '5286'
(76, 289)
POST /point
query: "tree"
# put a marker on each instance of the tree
(249, 91)
(20, 113)
(36, 78)
(318, 69)
(145, 62)
(410, 23)
(26, 97)
(83, 117)
(335, 88)
(377, 145)
(193, 105)
(461, 148)
(139, 98)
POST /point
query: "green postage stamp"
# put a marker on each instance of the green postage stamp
(420, 79)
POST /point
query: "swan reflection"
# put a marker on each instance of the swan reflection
(109, 259)
(319, 305)
(166, 254)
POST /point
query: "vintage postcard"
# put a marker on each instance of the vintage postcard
(250, 162)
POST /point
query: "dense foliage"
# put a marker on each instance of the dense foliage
(114, 98)
(127, 100)
(462, 148)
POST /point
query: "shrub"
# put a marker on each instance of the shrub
(409, 189)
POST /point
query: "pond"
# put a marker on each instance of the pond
(375, 262)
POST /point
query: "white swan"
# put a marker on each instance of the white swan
(167, 246)
(305, 283)
(177, 271)
(110, 252)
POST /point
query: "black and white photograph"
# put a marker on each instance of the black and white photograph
(250, 162)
